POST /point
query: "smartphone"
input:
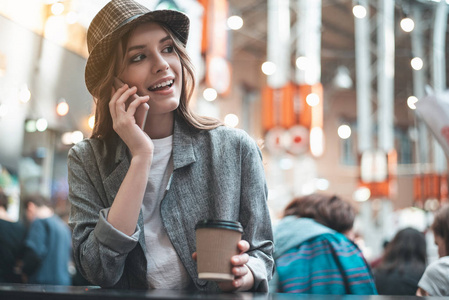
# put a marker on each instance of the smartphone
(141, 113)
(118, 84)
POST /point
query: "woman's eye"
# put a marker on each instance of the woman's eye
(137, 58)
(168, 49)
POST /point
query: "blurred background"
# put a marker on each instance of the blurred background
(326, 87)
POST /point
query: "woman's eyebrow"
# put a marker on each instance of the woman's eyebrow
(165, 39)
(143, 46)
(135, 47)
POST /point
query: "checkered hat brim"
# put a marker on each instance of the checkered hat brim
(116, 19)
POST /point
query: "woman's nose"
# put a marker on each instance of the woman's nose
(159, 64)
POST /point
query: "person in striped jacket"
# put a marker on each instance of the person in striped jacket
(313, 251)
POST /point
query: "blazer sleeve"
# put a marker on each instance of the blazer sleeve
(254, 214)
(99, 249)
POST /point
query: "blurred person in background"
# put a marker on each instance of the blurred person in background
(48, 249)
(402, 264)
(139, 185)
(376, 261)
(313, 253)
(435, 280)
(12, 235)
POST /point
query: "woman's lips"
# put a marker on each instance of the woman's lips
(161, 84)
(163, 90)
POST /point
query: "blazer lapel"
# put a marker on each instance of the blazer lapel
(183, 152)
(171, 211)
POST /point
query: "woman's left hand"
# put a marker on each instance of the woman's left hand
(244, 279)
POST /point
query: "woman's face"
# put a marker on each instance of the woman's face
(152, 65)
(439, 241)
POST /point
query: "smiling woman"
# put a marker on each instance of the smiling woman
(140, 184)
(129, 57)
(152, 65)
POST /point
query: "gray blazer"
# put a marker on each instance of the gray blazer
(218, 174)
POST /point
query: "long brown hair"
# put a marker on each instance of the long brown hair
(407, 249)
(102, 91)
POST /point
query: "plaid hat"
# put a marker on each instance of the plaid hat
(113, 21)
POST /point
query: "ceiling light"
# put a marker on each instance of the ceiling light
(41, 124)
(62, 108)
(359, 11)
(66, 138)
(411, 101)
(57, 8)
(231, 120)
(417, 63)
(312, 99)
(302, 63)
(235, 22)
(344, 132)
(30, 125)
(210, 94)
(268, 68)
(407, 24)
(362, 194)
(77, 136)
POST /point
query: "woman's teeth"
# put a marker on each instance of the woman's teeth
(161, 85)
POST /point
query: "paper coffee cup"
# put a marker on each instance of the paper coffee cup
(216, 243)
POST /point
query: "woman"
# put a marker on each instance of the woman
(313, 254)
(138, 187)
(435, 280)
(402, 264)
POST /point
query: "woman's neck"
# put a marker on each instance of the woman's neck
(159, 126)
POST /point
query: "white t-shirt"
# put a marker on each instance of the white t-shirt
(164, 267)
(435, 279)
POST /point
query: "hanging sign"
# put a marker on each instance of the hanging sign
(299, 140)
(276, 140)
(434, 110)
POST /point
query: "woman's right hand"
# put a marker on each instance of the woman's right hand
(128, 111)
